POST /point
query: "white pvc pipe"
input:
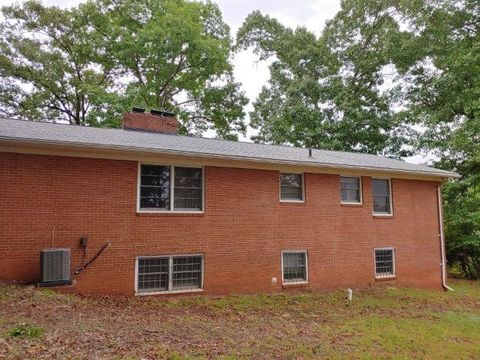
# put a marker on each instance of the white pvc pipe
(442, 240)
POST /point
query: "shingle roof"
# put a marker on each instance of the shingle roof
(81, 136)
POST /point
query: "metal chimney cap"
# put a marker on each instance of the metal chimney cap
(162, 113)
(138, 110)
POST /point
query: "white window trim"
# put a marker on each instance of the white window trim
(384, 276)
(170, 257)
(172, 185)
(280, 187)
(306, 267)
(390, 214)
(361, 191)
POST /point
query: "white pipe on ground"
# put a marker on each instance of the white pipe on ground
(442, 240)
(349, 294)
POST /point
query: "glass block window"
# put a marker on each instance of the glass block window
(188, 188)
(152, 274)
(381, 196)
(187, 272)
(169, 273)
(294, 266)
(167, 188)
(291, 187)
(350, 190)
(384, 262)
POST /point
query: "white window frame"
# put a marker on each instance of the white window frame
(171, 210)
(170, 266)
(390, 198)
(280, 187)
(360, 184)
(286, 283)
(394, 268)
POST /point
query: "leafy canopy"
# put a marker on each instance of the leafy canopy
(90, 63)
(326, 91)
(51, 65)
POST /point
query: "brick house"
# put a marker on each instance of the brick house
(187, 214)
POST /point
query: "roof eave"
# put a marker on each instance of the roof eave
(443, 175)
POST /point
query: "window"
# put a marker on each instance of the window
(350, 190)
(169, 273)
(384, 263)
(188, 188)
(186, 272)
(382, 202)
(170, 188)
(291, 187)
(294, 267)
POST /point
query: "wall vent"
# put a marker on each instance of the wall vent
(55, 267)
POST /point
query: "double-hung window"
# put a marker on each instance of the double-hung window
(169, 273)
(385, 263)
(294, 267)
(350, 190)
(382, 197)
(170, 188)
(291, 187)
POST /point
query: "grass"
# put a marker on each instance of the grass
(386, 323)
(27, 331)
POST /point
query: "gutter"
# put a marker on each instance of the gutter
(443, 262)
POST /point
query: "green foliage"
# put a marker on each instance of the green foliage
(325, 91)
(89, 64)
(443, 95)
(462, 217)
(26, 331)
(51, 65)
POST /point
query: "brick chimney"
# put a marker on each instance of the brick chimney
(154, 121)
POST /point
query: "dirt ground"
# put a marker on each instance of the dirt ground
(378, 323)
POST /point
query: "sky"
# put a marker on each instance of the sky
(251, 73)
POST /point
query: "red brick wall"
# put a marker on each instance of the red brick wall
(242, 232)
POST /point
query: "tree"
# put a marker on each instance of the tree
(90, 63)
(443, 95)
(174, 55)
(326, 91)
(50, 65)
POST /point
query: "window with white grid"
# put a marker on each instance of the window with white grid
(384, 262)
(169, 273)
(186, 272)
(294, 267)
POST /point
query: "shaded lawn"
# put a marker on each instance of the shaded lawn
(378, 323)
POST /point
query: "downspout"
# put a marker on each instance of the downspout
(442, 240)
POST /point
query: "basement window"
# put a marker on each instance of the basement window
(170, 188)
(169, 274)
(291, 187)
(294, 267)
(382, 197)
(350, 190)
(384, 263)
